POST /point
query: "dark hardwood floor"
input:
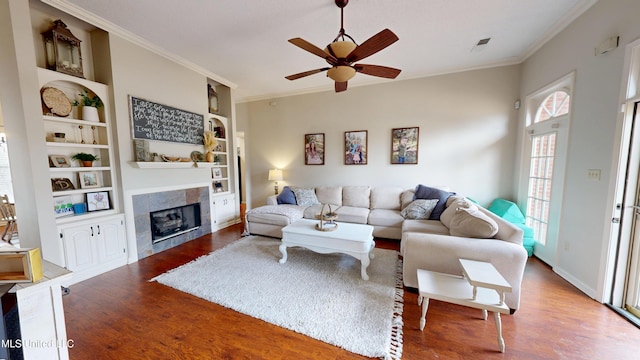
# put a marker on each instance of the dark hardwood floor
(120, 315)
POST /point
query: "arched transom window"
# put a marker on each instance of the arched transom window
(556, 104)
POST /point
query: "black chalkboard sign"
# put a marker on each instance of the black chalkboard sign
(152, 121)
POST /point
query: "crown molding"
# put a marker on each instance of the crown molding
(97, 21)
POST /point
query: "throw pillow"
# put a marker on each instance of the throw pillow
(305, 197)
(406, 198)
(419, 209)
(286, 196)
(470, 222)
(453, 204)
(425, 192)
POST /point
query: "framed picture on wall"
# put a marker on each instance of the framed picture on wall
(355, 147)
(314, 149)
(404, 145)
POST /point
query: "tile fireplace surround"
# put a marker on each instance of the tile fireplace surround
(143, 204)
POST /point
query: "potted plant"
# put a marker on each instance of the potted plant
(90, 104)
(86, 159)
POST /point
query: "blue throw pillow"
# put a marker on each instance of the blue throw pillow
(425, 192)
(286, 196)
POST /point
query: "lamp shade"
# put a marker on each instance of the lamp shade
(341, 73)
(275, 175)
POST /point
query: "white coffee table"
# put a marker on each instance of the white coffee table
(351, 239)
(481, 287)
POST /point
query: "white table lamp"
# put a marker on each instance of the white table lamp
(275, 175)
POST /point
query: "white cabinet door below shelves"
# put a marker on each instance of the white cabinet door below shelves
(224, 210)
(110, 239)
(94, 247)
(79, 247)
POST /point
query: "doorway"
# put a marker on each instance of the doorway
(8, 225)
(621, 273)
(625, 295)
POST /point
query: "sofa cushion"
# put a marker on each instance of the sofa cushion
(286, 196)
(356, 196)
(453, 203)
(385, 217)
(406, 198)
(386, 198)
(426, 192)
(352, 214)
(424, 226)
(419, 209)
(310, 212)
(470, 222)
(329, 195)
(275, 218)
(305, 196)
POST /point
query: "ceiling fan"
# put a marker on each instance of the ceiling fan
(341, 54)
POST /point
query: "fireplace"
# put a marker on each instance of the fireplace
(175, 221)
(152, 201)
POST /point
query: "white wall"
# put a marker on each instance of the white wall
(593, 124)
(141, 73)
(467, 134)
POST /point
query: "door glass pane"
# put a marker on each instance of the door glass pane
(540, 181)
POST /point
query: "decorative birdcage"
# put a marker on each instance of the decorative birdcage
(327, 219)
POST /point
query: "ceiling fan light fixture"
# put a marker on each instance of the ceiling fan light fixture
(341, 73)
(342, 55)
(340, 49)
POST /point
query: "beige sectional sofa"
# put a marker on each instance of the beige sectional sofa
(462, 230)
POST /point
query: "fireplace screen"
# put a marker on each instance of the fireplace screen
(171, 222)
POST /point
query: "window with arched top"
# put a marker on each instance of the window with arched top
(554, 105)
(547, 117)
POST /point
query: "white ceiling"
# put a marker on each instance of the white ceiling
(244, 42)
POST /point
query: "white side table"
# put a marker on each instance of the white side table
(482, 287)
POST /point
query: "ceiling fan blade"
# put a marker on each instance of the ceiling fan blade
(374, 44)
(306, 73)
(305, 45)
(341, 86)
(377, 70)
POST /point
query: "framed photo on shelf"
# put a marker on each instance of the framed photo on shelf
(88, 179)
(98, 200)
(141, 150)
(61, 184)
(314, 149)
(217, 173)
(404, 145)
(60, 161)
(217, 187)
(62, 206)
(355, 147)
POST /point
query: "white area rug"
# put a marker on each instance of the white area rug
(318, 295)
